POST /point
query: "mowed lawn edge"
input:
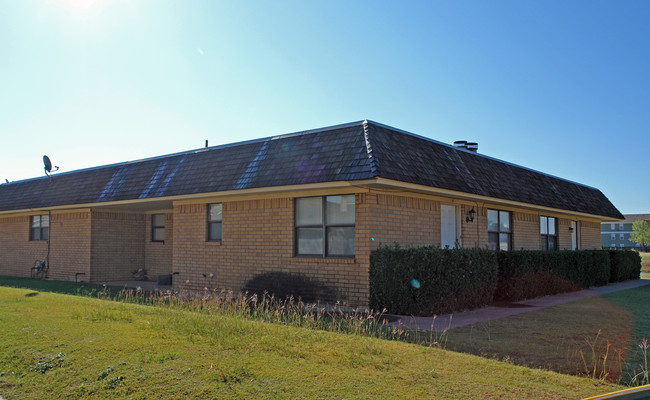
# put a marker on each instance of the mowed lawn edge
(598, 336)
(63, 346)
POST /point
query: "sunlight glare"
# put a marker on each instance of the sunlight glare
(83, 8)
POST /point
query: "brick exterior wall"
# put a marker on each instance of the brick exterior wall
(525, 231)
(405, 220)
(70, 246)
(158, 255)
(590, 235)
(258, 239)
(474, 234)
(117, 246)
(17, 252)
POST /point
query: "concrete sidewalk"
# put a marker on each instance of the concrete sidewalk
(502, 310)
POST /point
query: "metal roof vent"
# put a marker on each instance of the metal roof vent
(472, 146)
(461, 143)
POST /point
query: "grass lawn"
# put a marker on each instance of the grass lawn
(62, 346)
(566, 338)
(645, 262)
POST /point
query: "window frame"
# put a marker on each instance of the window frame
(155, 227)
(210, 223)
(43, 231)
(499, 232)
(324, 226)
(547, 238)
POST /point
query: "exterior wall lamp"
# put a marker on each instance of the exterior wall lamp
(470, 215)
(570, 229)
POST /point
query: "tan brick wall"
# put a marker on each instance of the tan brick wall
(117, 245)
(564, 234)
(474, 234)
(525, 230)
(405, 220)
(590, 235)
(17, 252)
(70, 246)
(258, 238)
(158, 255)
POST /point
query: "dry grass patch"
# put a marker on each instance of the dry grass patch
(596, 337)
(104, 349)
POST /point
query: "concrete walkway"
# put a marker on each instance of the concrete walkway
(502, 310)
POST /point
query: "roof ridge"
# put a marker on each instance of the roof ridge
(371, 156)
(451, 146)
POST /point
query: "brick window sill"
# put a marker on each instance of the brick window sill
(213, 243)
(321, 260)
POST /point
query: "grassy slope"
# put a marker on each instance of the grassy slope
(163, 353)
(558, 337)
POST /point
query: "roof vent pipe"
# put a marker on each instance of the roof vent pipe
(206, 142)
(472, 146)
(461, 143)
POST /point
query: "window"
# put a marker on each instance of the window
(621, 245)
(612, 226)
(214, 222)
(548, 231)
(40, 227)
(499, 230)
(325, 226)
(158, 228)
(613, 236)
(621, 236)
(620, 227)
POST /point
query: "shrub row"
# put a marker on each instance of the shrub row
(526, 274)
(625, 265)
(431, 280)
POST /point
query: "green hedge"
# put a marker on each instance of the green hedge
(625, 265)
(526, 274)
(431, 280)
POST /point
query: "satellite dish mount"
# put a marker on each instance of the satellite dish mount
(48, 165)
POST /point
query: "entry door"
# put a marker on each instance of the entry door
(575, 244)
(448, 227)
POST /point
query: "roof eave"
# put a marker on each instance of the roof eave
(470, 197)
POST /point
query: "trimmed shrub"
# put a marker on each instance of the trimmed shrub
(526, 274)
(625, 265)
(431, 280)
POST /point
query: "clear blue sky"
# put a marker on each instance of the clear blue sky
(562, 87)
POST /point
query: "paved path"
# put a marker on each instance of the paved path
(450, 321)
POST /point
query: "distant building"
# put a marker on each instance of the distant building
(617, 234)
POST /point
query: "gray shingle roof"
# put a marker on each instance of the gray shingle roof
(636, 217)
(349, 152)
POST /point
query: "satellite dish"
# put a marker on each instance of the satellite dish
(48, 165)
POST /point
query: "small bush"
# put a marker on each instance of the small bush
(526, 274)
(431, 280)
(625, 265)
